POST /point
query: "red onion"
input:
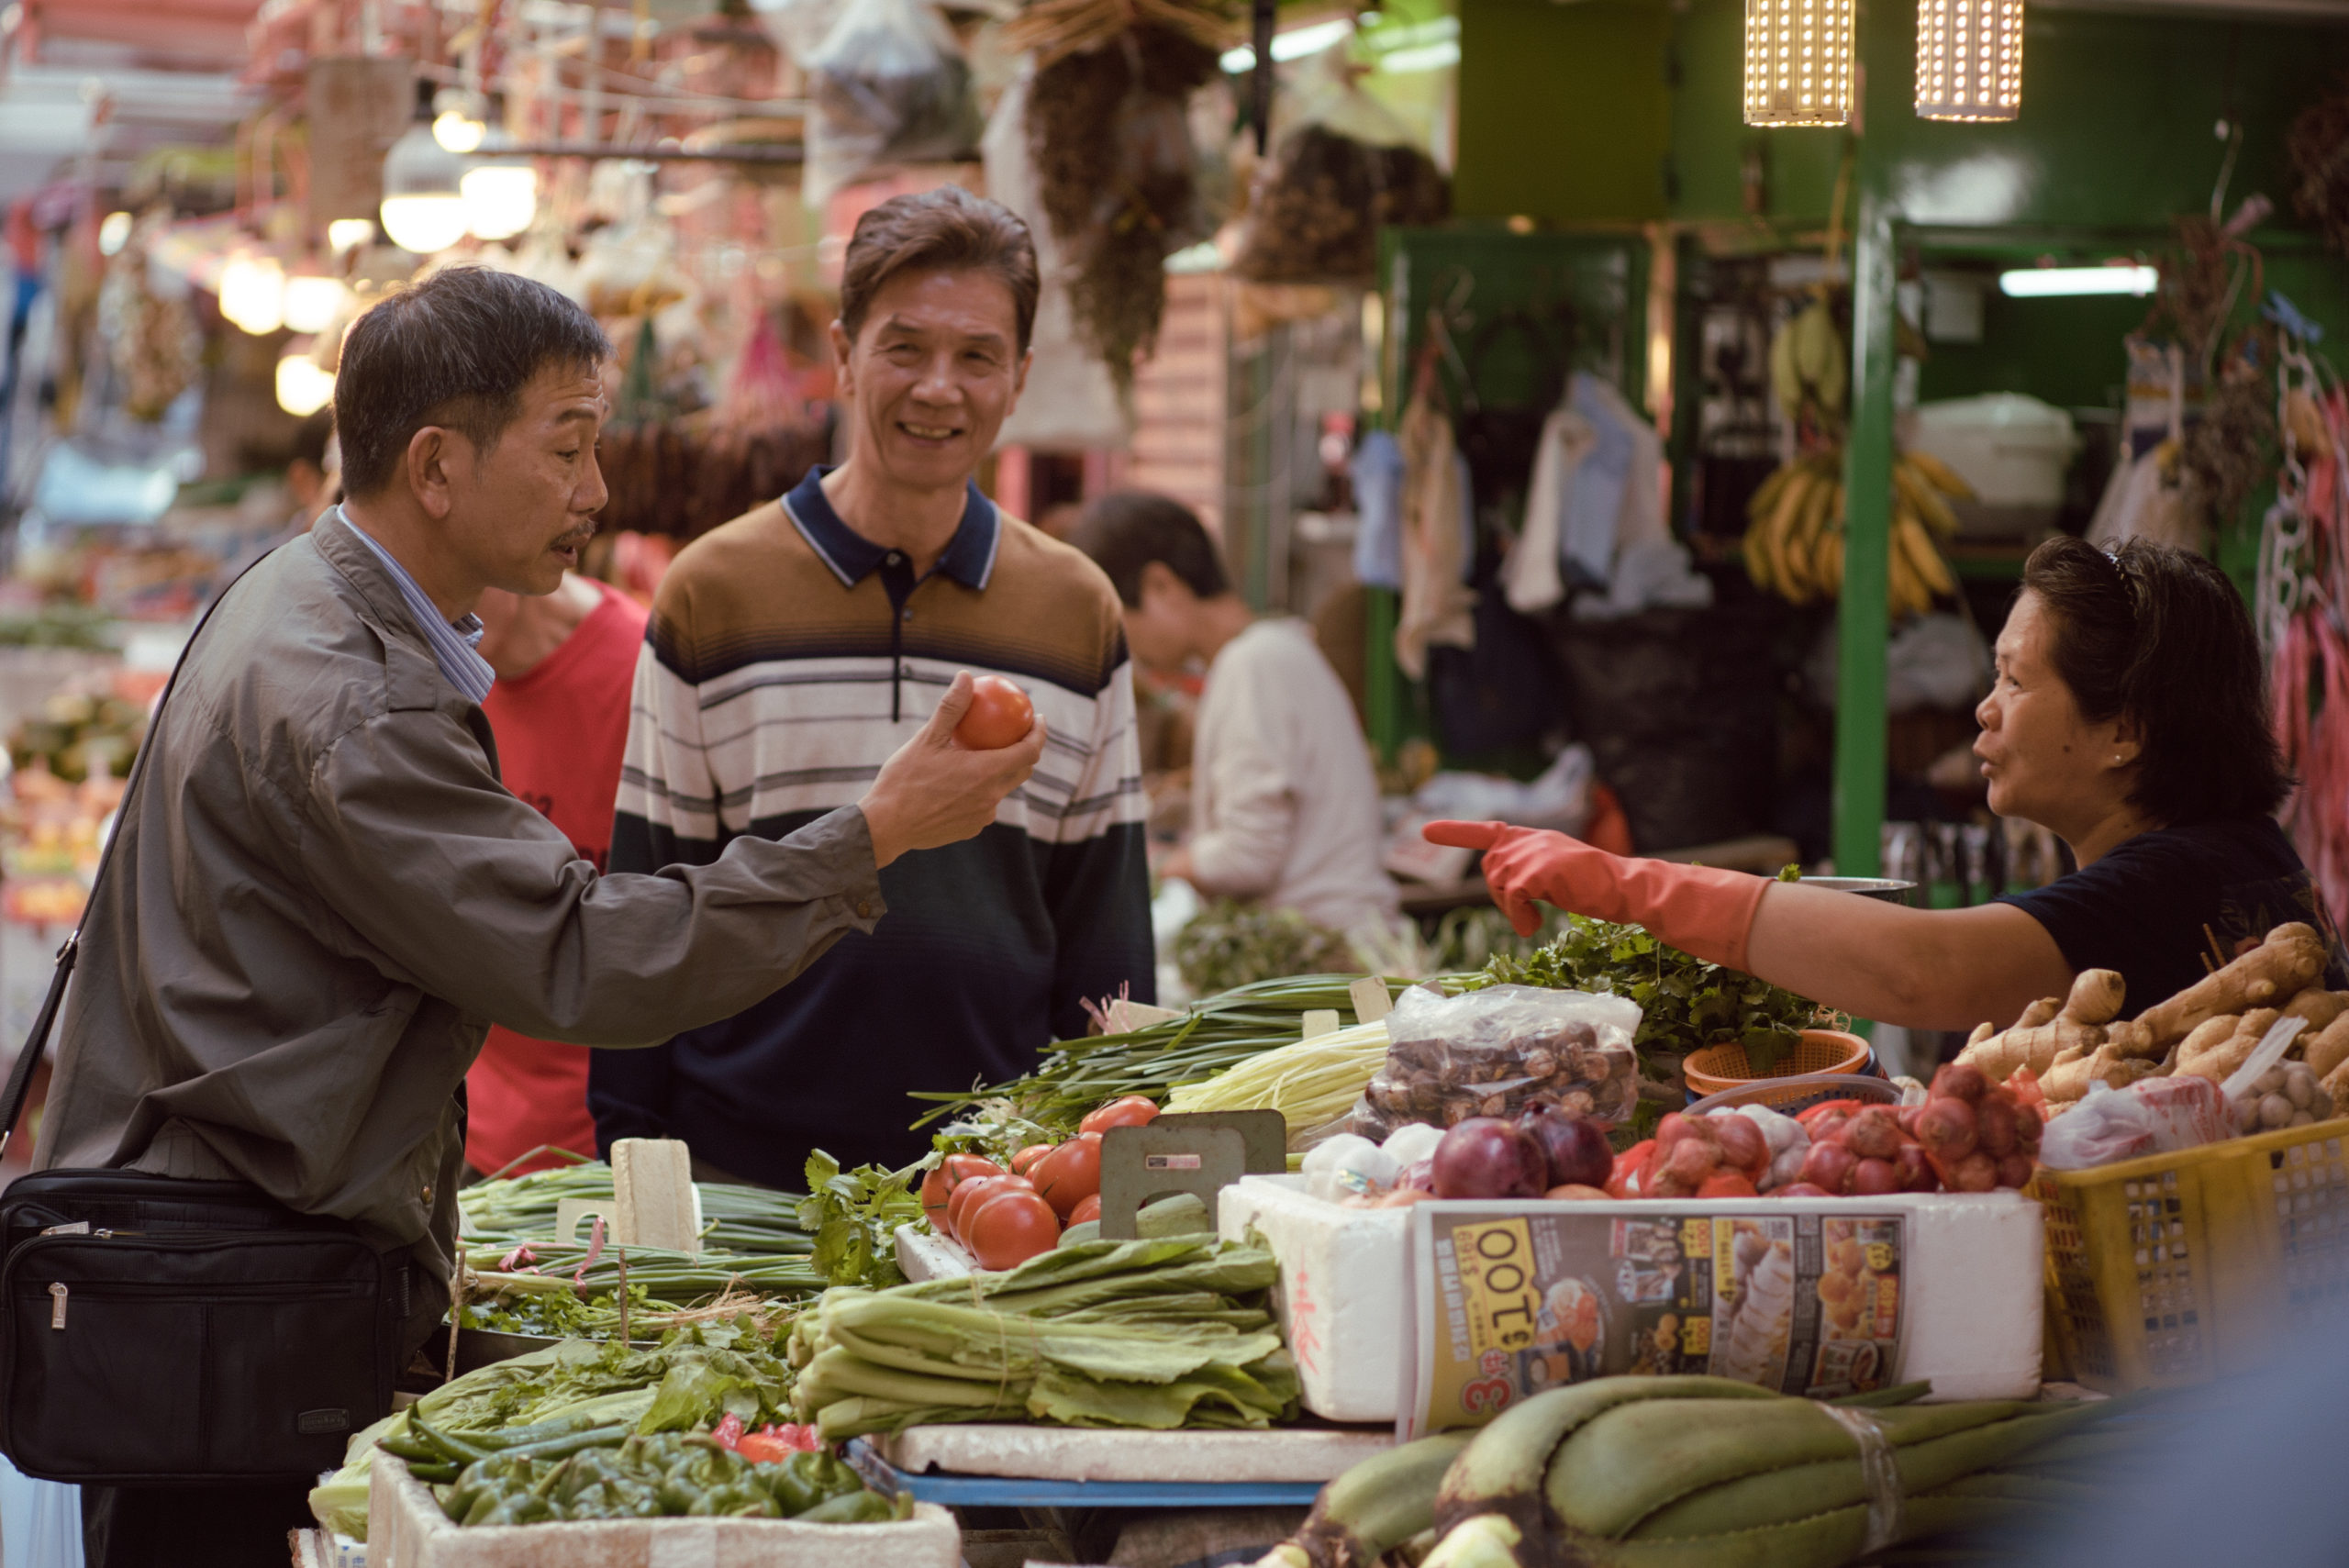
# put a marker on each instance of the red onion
(1742, 1142)
(1994, 1125)
(1577, 1152)
(1828, 1166)
(1914, 1171)
(2029, 1125)
(1692, 1160)
(1872, 1178)
(1959, 1081)
(1487, 1157)
(1875, 1134)
(1671, 1131)
(2014, 1171)
(1800, 1189)
(1946, 1129)
(1977, 1172)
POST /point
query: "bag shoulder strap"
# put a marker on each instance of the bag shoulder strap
(21, 1077)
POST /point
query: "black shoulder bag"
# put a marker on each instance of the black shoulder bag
(156, 1331)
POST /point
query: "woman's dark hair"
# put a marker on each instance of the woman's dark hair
(2160, 636)
(455, 350)
(1127, 530)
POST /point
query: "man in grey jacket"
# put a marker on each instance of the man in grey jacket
(321, 895)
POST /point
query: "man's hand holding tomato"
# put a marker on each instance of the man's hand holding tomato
(941, 789)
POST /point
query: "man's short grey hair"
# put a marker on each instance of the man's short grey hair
(455, 350)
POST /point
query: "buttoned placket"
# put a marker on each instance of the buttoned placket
(898, 578)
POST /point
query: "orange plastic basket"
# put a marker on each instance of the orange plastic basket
(1720, 1067)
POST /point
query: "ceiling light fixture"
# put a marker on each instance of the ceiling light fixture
(1969, 60)
(2049, 283)
(1798, 62)
(423, 208)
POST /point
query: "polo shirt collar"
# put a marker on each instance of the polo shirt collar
(969, 558)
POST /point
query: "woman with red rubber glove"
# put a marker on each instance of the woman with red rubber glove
(2128, 717)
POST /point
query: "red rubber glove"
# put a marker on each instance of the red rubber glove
(1702, 911)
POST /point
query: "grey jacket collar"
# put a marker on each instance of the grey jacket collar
(411, 673)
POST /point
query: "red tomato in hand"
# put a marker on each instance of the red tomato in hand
(1000, 715)
(967, 1196)
(1131, 1111)
(1009, 1228)
(1086, 1209)
(1070, 1174)
(1027, 1157)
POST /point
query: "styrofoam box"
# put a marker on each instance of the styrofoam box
(1972, 1281)
(405, 1529)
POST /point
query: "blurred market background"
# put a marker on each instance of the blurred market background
(1267, 231)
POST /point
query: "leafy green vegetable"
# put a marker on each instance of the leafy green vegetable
(1685, 1003)
(1232, 943)
(854, 1217)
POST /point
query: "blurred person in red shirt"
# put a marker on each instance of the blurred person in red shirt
(560, 710)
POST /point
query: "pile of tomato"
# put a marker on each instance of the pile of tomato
(1005, 1217)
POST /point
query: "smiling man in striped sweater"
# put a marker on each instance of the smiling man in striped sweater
(792, 650)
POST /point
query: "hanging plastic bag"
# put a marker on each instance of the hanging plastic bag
(1343, 167)
(1070, 401)
(1493, 1053)
(888, 86)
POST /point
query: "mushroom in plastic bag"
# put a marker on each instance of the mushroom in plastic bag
(888, 87)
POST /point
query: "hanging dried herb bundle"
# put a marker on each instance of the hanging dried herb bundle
(1318, 206)
(1112, 146)
(2231, 447)
(2319, 144)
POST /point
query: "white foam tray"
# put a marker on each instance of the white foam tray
(405, 1529)
(1066, 1453)
(1972, 1286)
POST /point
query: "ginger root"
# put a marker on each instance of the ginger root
(2322, 1008)
(2069, 1078)
(2215, 1049)
(2279, 968)
(2327, 1048)
(2049, 1032)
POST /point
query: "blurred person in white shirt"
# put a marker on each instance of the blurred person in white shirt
(1283, 801)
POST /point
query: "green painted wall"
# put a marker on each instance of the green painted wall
(1564, 112)
(2116, 129)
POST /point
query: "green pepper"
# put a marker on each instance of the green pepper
(525, 1510)
(569, 1444)
(450, 1445)
(677, 1494)
(792, 1494)
(413, 1450)
(851, 1508)
(440, 1471)
(486, 1504)
(522, 1437)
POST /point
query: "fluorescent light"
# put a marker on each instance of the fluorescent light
(114, 233)
(1798, 63)
(1424, 57)
(1290, 46)
(1969, 60)
(2047, 283)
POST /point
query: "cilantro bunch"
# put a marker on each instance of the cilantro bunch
(1685, 1003)
(855, 1214)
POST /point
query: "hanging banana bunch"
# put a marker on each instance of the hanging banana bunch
(1794, 537)
(1810, 369)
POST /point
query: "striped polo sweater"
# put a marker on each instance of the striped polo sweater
(786, 658)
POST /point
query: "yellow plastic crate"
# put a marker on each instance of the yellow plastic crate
(2180, 1268)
